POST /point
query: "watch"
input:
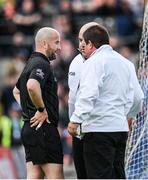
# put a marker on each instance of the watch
(41, 109)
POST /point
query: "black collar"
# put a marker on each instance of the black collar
(38, 54)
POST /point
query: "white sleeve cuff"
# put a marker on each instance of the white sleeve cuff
(74, 118)
(135, 110)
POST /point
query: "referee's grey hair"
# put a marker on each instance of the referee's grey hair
(44, 33)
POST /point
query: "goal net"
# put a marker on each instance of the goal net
(136, 156)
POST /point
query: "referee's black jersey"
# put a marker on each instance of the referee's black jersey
(38, 67)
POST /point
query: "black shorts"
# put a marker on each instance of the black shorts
(42, 145)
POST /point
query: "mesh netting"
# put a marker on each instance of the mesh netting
(136, 158)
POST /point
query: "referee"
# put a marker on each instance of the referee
(36, 92)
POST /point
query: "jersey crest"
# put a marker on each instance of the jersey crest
(40, 73)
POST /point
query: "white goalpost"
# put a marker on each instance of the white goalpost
(136, 156)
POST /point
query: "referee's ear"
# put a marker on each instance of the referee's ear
(45, 44)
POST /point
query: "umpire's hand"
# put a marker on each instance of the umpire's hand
(72, 128)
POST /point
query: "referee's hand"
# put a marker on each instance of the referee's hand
(39, 118)
(72, 128)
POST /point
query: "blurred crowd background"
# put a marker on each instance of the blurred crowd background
(19, 21)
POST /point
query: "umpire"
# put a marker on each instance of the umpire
(36, 92)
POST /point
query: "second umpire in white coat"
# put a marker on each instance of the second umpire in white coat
(74, 75)
(77, 142)
(107, 98)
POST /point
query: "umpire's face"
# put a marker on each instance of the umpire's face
(86, 49)
(81, 40)
(81, 44)
(53, 46)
